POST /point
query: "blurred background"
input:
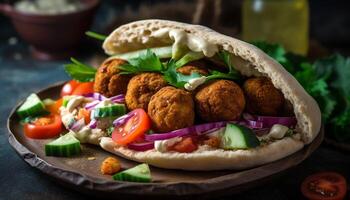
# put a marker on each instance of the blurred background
(313, 28)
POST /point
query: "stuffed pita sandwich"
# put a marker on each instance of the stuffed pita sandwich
(197, 100)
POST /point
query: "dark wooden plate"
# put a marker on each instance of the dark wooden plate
(83, 174)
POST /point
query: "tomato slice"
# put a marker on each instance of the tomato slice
(44, 127)
(324, 186)
(133, 129)
(69, 87)
(186, 145)
(55, 108)
(84, 88)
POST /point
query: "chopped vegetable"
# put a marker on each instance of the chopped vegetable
(44, 127)
(31, 107)
(133, 128)
(69, 87)
(324, 186)
(65, 146)
(140, 173)
(238, 137)
(200, 129)
(141, 146)
(84, 114)
(79, 71)
(110, 166)
(189, 57)
(186, 145)
(84, 88)
(95, 35)
(54, 108)
(114, 110)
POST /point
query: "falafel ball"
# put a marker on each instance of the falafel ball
(141, 88)
(193, 67)
(262, 97)
(171, 109)
(107, 80)
(220, 100)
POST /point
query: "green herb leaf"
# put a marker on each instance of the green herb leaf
(148, 62)
(175, 78)
(95, 35)
(79, 71)
(276, 51)
(231, 75)
(189, 57)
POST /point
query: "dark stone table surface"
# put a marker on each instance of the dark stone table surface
(20, 75)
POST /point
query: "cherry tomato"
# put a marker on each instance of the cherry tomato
(84, 88)
(324, 186)
(186, 145)
(133, 129)
(55, 108)
(69, 87)
(44, 127)
(83, 113)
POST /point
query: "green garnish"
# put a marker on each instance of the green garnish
(232, 74)
(110, 130)
(175, 78)
(327, 80)
(148, 62)
(95, 35)
(79, 71)
(188, 57)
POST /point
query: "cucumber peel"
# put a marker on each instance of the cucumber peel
(114, 110)
(32, 107)
(65, 146)
(140, 173)
(238, 137)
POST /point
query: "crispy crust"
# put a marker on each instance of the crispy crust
(247, 59)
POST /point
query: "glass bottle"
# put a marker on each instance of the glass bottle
(277, 21)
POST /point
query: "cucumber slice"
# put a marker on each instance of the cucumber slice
(65, 146)
(32, 107)
(161, 52)
(114, 110)
(140, 173)
(238, 137)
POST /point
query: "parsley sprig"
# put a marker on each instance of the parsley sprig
(79, 71)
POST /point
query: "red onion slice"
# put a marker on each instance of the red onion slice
(123, 119)
(143, 146)
(96, 96)
(93, 124)
(91, 105)
(197, 130)
(257, 122)
(78, 125)
(118, 99)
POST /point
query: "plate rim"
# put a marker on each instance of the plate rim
(183, 188)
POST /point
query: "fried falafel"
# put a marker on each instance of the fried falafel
(193, 67)
(171, 109)
(220, 100)
(141, 88)
(262, 97)
(107, 80)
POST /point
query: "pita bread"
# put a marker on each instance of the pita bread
(247, 59)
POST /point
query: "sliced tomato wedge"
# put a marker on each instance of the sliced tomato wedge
(84, 88)
(324, 186)
(69, 87)
(133, 129)
(186, 145)
(44, 127)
